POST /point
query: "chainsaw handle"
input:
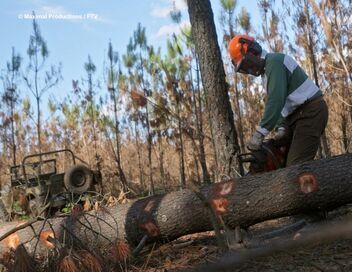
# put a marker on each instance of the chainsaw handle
(243, 158)
(250, 157)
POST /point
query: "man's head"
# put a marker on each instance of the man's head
(245, 54)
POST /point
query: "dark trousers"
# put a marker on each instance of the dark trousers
(305, 126)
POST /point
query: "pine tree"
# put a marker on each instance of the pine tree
(38, 54)
(10, 98)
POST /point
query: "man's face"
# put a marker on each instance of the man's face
(250, 64)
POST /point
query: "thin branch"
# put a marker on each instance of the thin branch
(23, 226)
(140, 246)
(29, 86)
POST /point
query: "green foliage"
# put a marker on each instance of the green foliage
(112, 55)
(67, 209)
(106, 121)
(14, 65)
(37, 44)
(187, 36)
(16, 206)
(171, 51)
(244, 19)
(71, 114)
(26, 105)
(226, 17)
(89, 66)
(25, 217)
(10, 79)
(140, 39)
(175, 15)
(129, 60)
(228, 5)
(52, 105)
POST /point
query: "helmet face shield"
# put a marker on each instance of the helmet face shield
(250, 64)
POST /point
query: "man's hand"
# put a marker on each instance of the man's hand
(256, 141)
(280, 133)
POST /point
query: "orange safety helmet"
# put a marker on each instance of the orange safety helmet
(238, 46)
(245, 54)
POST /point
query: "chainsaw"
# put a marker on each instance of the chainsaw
(271, 156)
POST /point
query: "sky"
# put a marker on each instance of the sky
(74, 29)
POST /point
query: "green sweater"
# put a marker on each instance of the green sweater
(288, 87)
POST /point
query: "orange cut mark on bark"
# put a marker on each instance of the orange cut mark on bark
(149, 206)
(12, 241)
(44, 238)
(223, 188)
(220, 205)
(150, 228)
(308, 183)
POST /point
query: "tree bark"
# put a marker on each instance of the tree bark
(214, 83)
(322, 185)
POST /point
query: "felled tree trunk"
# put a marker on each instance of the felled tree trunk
(324, 184)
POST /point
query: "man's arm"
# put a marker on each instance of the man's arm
(277, 78)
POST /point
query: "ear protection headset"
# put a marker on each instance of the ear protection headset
(251, 62)
(252, 47)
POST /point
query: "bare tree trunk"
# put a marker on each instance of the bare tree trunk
(13, 140)
(345, 139)
(200, 151)
(214, 83)
(196, 168)
(118, 146)
(39, 125)
(138, 149)
(149, 140)
(180, 140)
(161, 160)
(324, 141)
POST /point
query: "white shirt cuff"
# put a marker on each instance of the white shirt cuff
(263, 131)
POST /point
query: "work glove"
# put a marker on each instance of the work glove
(256, 141)
(280, 133)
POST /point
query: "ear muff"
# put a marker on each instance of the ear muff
(253, 47)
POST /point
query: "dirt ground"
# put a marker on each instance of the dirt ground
(188, 252)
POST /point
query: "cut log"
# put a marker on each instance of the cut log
(317, 185)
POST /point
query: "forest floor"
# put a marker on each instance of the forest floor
(191, 251)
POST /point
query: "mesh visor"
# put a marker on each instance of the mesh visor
(243, 66)
(249, 64)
